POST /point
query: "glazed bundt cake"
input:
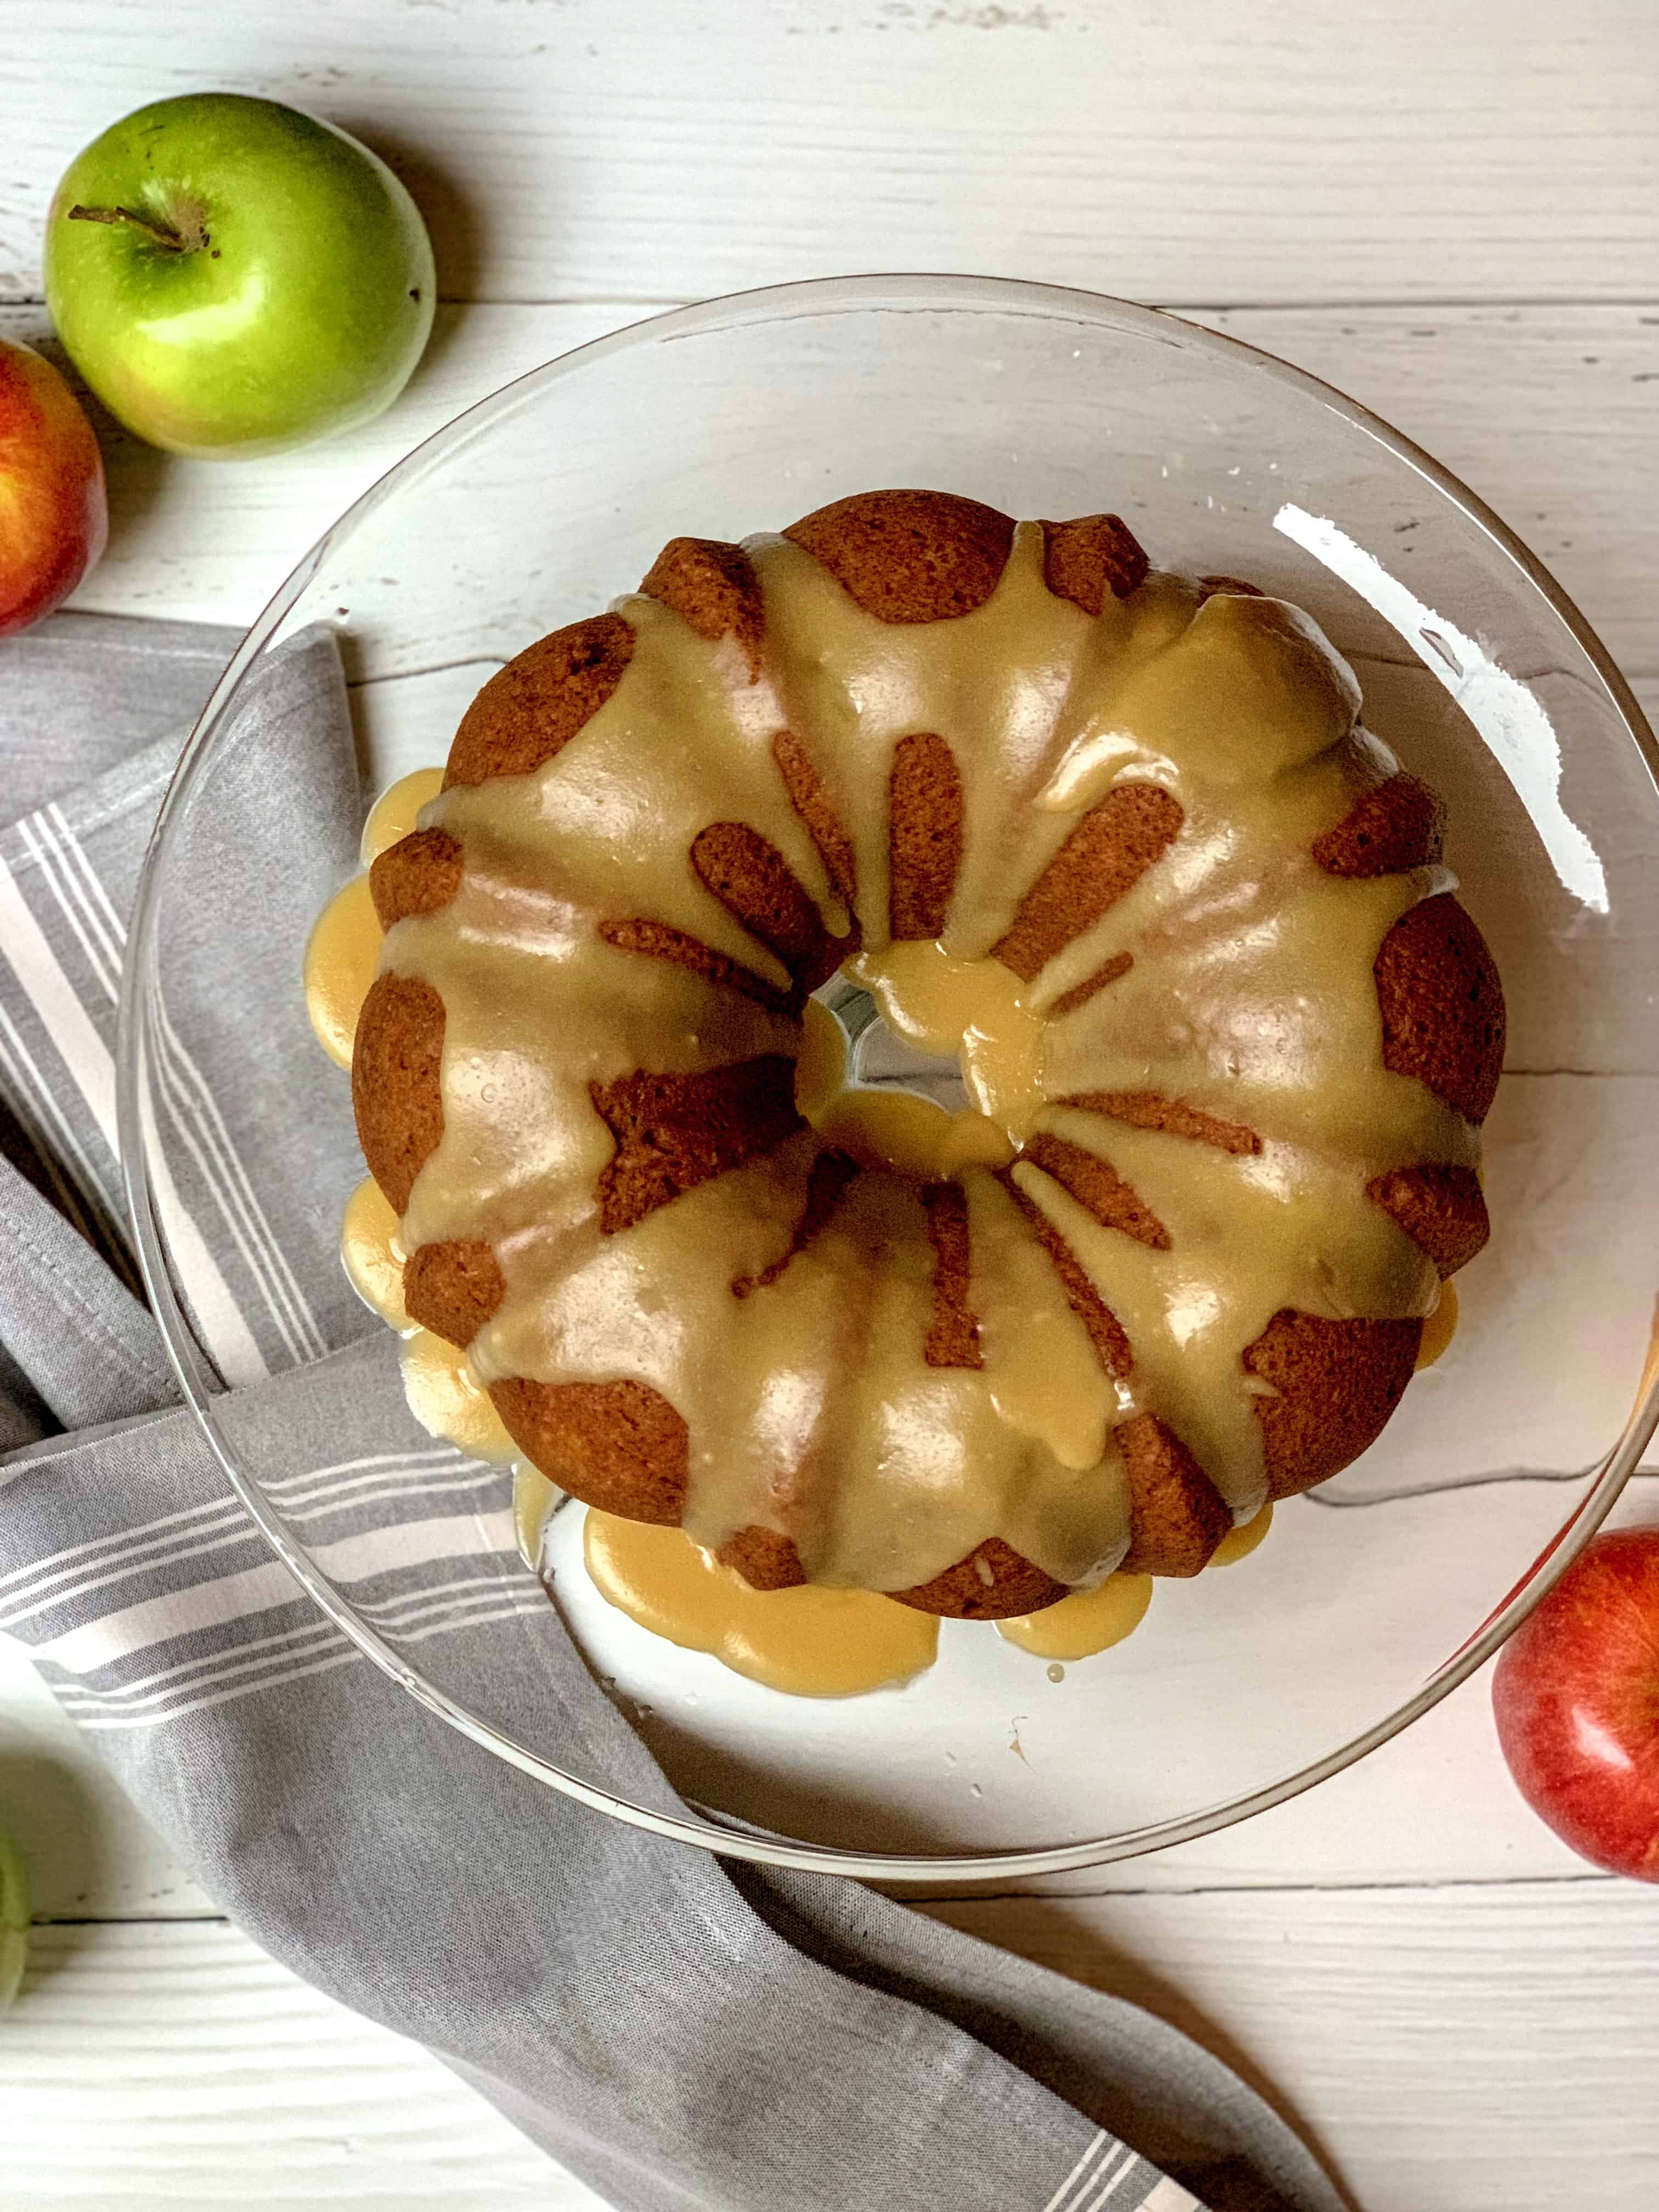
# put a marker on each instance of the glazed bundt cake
(1115, 833)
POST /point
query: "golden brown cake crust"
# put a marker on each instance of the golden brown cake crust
(1442, 1209)
(1400, 825)
(1176, 1515)
(826, 1186)
(1150, 1109)
(397, 1091)
(420, 874)
(1335, 1383)
(952, 1332)
(1090, 557)
(453, 1288)
(1107, 854)
(909, 556)
(766, 1560)
(924, 835)
(673, 1132)
(1442, 1005)
(620, 1446)
(660, 940)
(1098, 1188)
(1106, 1332)
(533, 707)
(809, 800)
(993, 1582)
(712, 587)
(1120, 963)
(753, 883)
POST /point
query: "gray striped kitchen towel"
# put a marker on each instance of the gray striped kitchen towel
(681, 2032)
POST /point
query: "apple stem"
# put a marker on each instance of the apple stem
(172, 240)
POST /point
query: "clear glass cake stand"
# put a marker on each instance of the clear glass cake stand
(1372, 1599)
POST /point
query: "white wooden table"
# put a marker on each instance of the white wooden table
(1450, 209)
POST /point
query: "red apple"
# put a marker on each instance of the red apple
(1575, 1694)
(53, 521)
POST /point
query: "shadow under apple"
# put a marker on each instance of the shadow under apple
(455, 223)
(1046, 1931)
(133, 471)
(48, 1811)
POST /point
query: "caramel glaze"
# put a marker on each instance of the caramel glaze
(1140, 822)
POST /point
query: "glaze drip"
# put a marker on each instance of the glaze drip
(1228, 976)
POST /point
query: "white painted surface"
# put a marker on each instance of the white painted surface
(605, 149)
(1509, 2052)
(177, 2064)
(1510, 716)
(1463, 231)
(1490, 2049)
(1549, 413)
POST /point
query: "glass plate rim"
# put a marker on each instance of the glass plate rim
(893, 292)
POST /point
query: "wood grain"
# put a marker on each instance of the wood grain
(1435, 1805)
(151, 2066)
(657, 148)
(1549, 413)
(1453, 2050)
(1461, 229)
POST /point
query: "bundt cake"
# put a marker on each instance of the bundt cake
(1115, 833)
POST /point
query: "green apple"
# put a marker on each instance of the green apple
(233, 277)
(13, 1919)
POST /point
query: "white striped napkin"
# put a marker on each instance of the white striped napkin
(681, 2033)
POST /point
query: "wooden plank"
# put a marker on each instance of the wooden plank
(210, 541)
(150, 2067)
(1436, 1805)
(583, 149)
(1390, 1820)
(1535, 409)
(1457, 2047)
(1549, 412)
(1452, 2050)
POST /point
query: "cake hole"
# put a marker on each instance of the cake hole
(879, 1059)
